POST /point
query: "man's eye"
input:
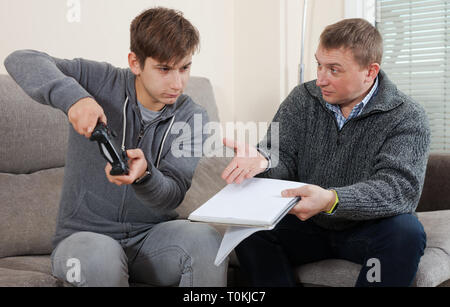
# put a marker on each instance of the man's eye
(164, 69)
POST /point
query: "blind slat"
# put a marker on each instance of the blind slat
(401, 35)
(417, 57)
(391, 5)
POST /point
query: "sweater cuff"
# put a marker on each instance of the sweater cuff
(267, 157)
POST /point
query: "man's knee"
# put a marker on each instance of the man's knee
(89, 259)
(406, 234)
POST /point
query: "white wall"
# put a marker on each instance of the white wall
(250, 49)
(103, 34)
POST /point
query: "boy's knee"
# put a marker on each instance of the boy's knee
(88, 259)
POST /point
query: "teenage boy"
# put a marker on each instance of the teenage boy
(122, 229)
(362, 146)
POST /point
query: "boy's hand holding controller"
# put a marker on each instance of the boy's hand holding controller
(137, 165)
(84, 116)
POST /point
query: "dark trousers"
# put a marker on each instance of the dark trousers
(388, 249)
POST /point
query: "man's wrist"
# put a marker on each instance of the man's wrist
(266, 156)
(332, 205)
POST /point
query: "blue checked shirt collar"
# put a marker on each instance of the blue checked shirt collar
(341, 120)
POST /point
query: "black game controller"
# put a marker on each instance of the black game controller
(118, 159)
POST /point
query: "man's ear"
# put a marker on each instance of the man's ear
(372, 72)
(133, 62)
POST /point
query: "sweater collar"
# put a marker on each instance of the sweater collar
(385, 100)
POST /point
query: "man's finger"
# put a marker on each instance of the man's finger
(293, 192)
(227, 171)
(234, 175)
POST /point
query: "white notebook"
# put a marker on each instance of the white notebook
(252, 206)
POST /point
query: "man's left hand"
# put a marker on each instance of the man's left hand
(137, 165)
(314, 200)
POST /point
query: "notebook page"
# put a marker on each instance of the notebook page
(256, 202)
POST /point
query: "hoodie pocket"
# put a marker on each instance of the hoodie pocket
(94, 209)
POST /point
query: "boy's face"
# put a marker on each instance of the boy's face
(342, 80)
(159, 84)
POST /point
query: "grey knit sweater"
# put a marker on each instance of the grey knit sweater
(376, 163)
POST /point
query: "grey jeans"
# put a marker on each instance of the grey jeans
(175, 253)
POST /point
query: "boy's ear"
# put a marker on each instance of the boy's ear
(133, 62)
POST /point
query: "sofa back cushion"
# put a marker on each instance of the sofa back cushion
(33, 136)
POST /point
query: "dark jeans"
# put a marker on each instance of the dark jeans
(268, 258)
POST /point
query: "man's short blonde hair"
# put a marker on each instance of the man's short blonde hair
(358, 35)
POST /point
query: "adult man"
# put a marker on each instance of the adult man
(362, 145)
(122, 228)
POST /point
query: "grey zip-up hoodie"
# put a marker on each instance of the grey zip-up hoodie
(89, 202)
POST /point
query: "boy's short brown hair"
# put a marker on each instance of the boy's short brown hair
(164, 35)
(357, 35)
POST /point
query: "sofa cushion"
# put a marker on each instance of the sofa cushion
(201, 92)
(434, 267)
(205, 184)
(28, 212)
(34, 136)
(28, 271)
(40, 264)
(18, 278)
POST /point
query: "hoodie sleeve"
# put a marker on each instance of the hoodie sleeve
(56, 82)
(168, 184)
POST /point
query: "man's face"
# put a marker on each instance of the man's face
(159, 84)
(342, 80)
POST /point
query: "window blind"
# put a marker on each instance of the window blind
(416, 36)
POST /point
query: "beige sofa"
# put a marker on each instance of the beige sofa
(32, 153)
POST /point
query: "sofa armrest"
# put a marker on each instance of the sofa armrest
(436, 190)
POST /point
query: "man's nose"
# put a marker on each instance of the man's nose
(321, 79)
